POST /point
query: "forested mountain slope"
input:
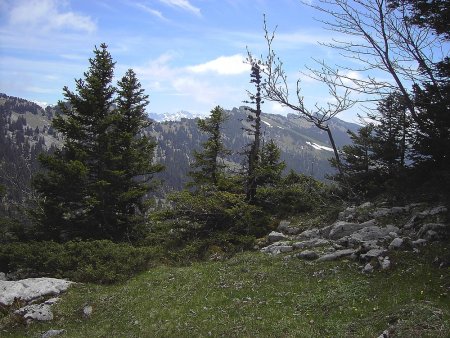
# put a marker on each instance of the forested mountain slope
(26, 130)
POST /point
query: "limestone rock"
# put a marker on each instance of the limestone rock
(285, 228)
(341, 229)
(277, 248)
(368, 268)
(419, 242)
(87, 311)
(373, 232)
(2, 276)
(314, 242)
(396, 243)
(31, 288)
(385, 263)
(308, 234)
(52, 333)
(438, 229)
(373, 253)
(276, 236)
(308, 254)
(39, 312)
(336, 255)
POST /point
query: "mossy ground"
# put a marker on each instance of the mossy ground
(255, 295)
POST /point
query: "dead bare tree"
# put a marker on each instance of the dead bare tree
(276, 89)
(377, 36)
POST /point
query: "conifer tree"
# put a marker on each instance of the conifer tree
(254, 118)
(91, 186)
(392, 135)
(270, 168)
(357, 166)
(208, 165)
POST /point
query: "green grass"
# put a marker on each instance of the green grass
(254, 295)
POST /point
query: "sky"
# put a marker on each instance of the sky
(188, 54)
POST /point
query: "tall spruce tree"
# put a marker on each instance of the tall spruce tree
(92, 187)
(208, 164)
(254, 118)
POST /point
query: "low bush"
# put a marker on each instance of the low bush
(83, 261)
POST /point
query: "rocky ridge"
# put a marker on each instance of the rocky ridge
(364, 233)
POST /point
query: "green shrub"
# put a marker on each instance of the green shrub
(295, 195)
(92, 261)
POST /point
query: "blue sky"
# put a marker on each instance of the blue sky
(188, 54)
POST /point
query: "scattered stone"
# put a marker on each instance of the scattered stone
(87, 311)
(368, 268)
(437, 228)
(39, 312)
(385, 263)
(347, 215)
(373, 253)
(336, 255)
(385, 334)
(393, 234)
(276, 236)
(366, 205)
(308, 254)
(52, 333)
(341, 229)
(381, 212)
(314, 242)
(2, 276)
(370, 233)
(308, 234)
(285, 228)
(277, 248)
(31, 288)
(396, 243)
(419, 242)
(434, 211)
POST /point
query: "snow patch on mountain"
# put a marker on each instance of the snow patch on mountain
(318, 146)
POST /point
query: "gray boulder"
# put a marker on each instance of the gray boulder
(368, 268)
(385, 263)
(39, 312)
(277, 248)
(341, 229)
(396, 243)
(31, 288)
(311, 243)
(52, 333)
(308, 254)
(285, 228)
(308, 234)
(370, 233)
(373, 253)
(419, 242)
(336, 255)
(276, 236)
(438, 230)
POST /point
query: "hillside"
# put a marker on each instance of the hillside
(304, 148)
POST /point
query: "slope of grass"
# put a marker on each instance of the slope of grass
(255, 295)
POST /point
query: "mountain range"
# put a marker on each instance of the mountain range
(26, 128)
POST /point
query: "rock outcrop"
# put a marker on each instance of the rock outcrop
(34, 292)
(363, 233)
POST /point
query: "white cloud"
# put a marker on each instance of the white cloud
(48, 15)
(151, 11)
(277, 108)
(198, 90)
(223, 65)
(183, 4)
